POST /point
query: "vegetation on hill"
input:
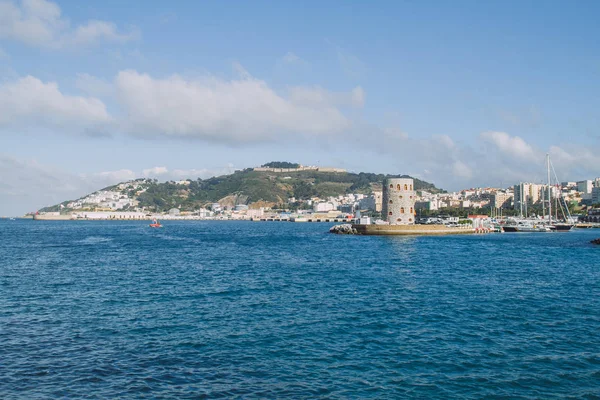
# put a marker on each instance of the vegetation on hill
(255, 187)
(280, 164)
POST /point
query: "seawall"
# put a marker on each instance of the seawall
(410, 230)
(48, 217)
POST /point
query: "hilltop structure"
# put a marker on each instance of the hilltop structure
(398, 203)
(300, 168)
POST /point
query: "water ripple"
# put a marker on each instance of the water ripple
(259, 310)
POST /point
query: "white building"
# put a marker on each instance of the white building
(324, 206)
(584, 186)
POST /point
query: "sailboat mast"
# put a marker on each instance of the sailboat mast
(543, 202)
(549, 191)
(521, 198)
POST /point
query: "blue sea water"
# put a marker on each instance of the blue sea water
(283, 310)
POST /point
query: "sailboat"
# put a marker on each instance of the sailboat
(567, 225)
(527, 225)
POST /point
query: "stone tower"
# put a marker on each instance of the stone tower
(398, 202)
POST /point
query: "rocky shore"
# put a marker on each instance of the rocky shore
(595, 241)
(343, 229)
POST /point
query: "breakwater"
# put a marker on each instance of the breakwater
(373, 229)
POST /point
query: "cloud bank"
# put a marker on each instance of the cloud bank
(213, 109)
(39, 23)
(245, 110)
(29, 102)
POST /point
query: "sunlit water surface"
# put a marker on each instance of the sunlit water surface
(274, 310)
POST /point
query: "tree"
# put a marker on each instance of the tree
(303, 190)
(280, 164)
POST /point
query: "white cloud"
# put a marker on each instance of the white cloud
(575, 162)
(291, 63)
(461, 170)
(39, 23)
(444, 140)
(317, 96)
(165, 174)
(513, 146)
(155, 171)
(93, 86)
(352, 66)
(30, 102)
(95, 31)
(232, 111)
(110, 177)
(26, 185)
(107, 178)
(291, 58)
(503, 159)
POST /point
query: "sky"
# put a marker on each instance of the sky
(461, 94)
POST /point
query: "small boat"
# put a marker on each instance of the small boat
(561, 227)
(524, 226)
(155, 224)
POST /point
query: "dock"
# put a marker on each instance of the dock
(412, 230)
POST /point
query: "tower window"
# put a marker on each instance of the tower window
(405, 186)
(398, 187)
(411, 210)
(390, 213)
(401, 210)
(410, 187)
(391, 186)
(399, 220)
(391, 202)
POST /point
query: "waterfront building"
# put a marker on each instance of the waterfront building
(596, 195)
(378, 200)
(501, 200)
(346, 208)
(368, 203)
(398, 201)
(532, 193)
(585, 186)
(324, 206)
(526, 194)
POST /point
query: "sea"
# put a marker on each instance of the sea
(219, 309)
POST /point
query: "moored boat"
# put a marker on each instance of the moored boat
(561, 227)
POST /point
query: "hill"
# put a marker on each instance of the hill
(248, 186)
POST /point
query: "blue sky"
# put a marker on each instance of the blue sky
(461, 94)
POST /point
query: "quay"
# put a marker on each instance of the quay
(304, 219)
(411, 230)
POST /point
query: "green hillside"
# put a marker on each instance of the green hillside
(249, 186)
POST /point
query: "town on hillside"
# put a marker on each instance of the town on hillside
(131, 200)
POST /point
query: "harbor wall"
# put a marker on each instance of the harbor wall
(411, 230)
(53, 217)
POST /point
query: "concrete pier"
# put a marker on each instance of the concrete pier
(411, 230)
